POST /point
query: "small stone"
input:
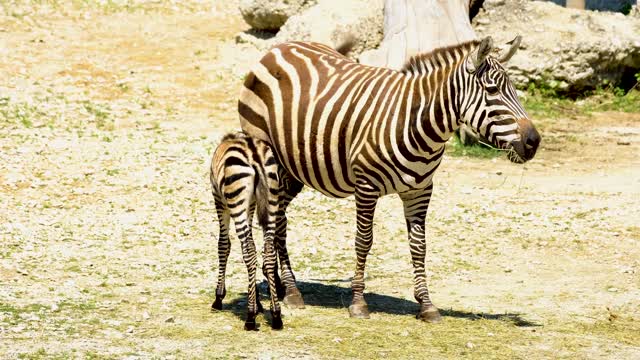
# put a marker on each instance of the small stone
(22, 272)
(470, 345)
(146, 316)
(55, 307)
(226, 327)
(170, 319)
(491, 334)
(612, 289)
(130, 330)
(337, 340)
(498, 173)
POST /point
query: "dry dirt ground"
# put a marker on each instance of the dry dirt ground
(108, 115)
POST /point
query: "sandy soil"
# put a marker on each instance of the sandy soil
(108, 116)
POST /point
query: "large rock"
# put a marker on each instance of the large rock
(329, 22)
(271, 14)
(566, 49)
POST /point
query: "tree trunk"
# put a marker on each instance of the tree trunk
(417, 26)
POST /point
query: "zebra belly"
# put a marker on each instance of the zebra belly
(306, 161)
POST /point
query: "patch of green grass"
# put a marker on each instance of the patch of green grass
(113, 172)
(123, 86)
(14, 311)
(543, 102)
(18, 113)
(101, 114)
(87, 305)
(613, 99)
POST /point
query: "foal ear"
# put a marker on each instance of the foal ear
(484, 48)
(515, 45)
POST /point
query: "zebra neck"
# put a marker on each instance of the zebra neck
(438, 115)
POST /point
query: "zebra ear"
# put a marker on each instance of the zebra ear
(515, 44)
(483, 51)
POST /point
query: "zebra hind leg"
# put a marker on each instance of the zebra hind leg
(243, 230)
(280, 289)
(252, 208)
(269, 261)
(289, 189)
(224, 246)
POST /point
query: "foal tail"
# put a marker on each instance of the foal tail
(262, 195)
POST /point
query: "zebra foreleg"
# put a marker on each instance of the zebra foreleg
(224, 246)
(366, 200)
(415, 211)
(289, 189)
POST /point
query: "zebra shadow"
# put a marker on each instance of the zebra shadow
(334, 296)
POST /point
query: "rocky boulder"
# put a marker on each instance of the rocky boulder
(566, 49)
(329, 22)
(271, 14)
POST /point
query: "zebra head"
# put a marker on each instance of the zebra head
(493, 109)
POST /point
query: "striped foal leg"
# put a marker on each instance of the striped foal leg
(269, 261)
(224, 246)
(252, 210)
(269, 257)
(243, 230)
(415, 212)
(366, 200)
(292, 297)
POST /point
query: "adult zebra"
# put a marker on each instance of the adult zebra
(343, 128)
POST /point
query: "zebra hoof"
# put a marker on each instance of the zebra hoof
(293, 299)
(429, 314)
(276, 321)
(217, 304)
(359, 311)
(250, 325)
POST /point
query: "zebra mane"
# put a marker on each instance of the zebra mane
(413, 64)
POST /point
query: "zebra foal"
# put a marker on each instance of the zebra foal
(344, 128)
(244, 177)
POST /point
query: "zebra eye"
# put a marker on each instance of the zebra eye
(492, 89)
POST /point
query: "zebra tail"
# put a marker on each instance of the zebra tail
(262, 196)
